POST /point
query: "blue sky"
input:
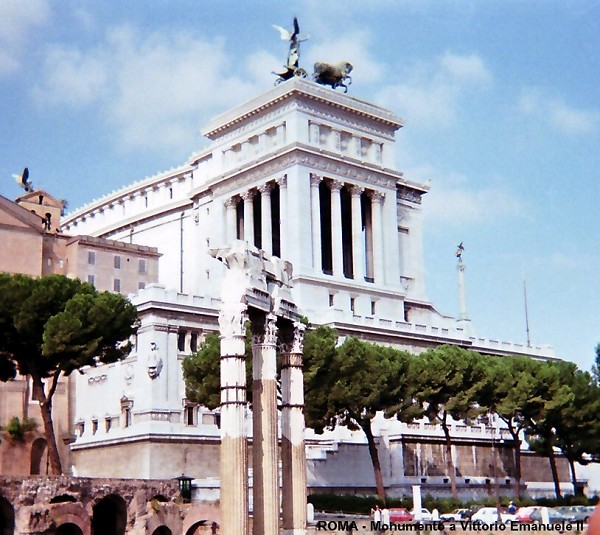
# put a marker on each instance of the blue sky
(501, 102)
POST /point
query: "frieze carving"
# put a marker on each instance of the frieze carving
(305, 155)
(409, 194)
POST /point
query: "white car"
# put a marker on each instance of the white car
(423, 516)
(489, 515)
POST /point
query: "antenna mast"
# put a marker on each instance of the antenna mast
(526, 314)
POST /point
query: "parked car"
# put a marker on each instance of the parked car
(524, 513)
(554, 516)
(456, 515)
(489, 515)
(423, 516)
(400, 514)
(579, 513)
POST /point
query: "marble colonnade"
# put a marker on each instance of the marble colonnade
(367, 236)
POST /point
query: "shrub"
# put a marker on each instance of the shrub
(17, 428)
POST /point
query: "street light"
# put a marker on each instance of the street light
(185, 487)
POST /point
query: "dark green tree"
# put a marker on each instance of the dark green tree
(359, 380)
(53, 325)
(447, 384)
(551, 398)
(517, 398)
(572, 426)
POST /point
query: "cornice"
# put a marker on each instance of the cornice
(322, 161)
(299, 90)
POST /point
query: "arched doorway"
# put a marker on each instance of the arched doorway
(69, 529)
(202, 527)
(7, 517)
(109, 516)
(162, 530)
(38, 459)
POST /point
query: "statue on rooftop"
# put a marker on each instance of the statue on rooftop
(335, 75)
(291, 68)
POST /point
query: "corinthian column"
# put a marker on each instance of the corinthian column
(358, 246)
(282, 182)
(315, 214)
(234, 448)
(264, 443)
(293, 458)
(231, 220)
(377, 199)
(336, 227)
(248, 197)
(265, 201)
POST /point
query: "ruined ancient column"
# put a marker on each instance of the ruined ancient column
(234, 446)
(265, 458)
(293, 457)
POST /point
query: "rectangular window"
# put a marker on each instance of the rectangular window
(91, 258)
(189, 416)
(181, 341)
(117, 262)
(373, 308)
(330, 300)
(127, 417)
(193, 342)
(107, 424)
(352, 303)
(141, 285)
(142, 266)
(91, 279)
(94, 426)
(117, 285)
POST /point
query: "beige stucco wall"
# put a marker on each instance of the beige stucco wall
(149, 459)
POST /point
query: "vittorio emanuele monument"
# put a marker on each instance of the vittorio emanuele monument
(301, 184)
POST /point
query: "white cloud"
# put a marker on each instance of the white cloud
(432, 93)
(556, 113)
(18, 18)
(155, 90)
(453, 201)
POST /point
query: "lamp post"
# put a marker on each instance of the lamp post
(185, 487)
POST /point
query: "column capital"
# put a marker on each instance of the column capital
(232, 320)
(281, 181)
(315, 179)
(336, 185)
(265, 188)
(266, 334)
(248, 195)
(377, 196)
(295, 344)
(231, 202)
(356, 191)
